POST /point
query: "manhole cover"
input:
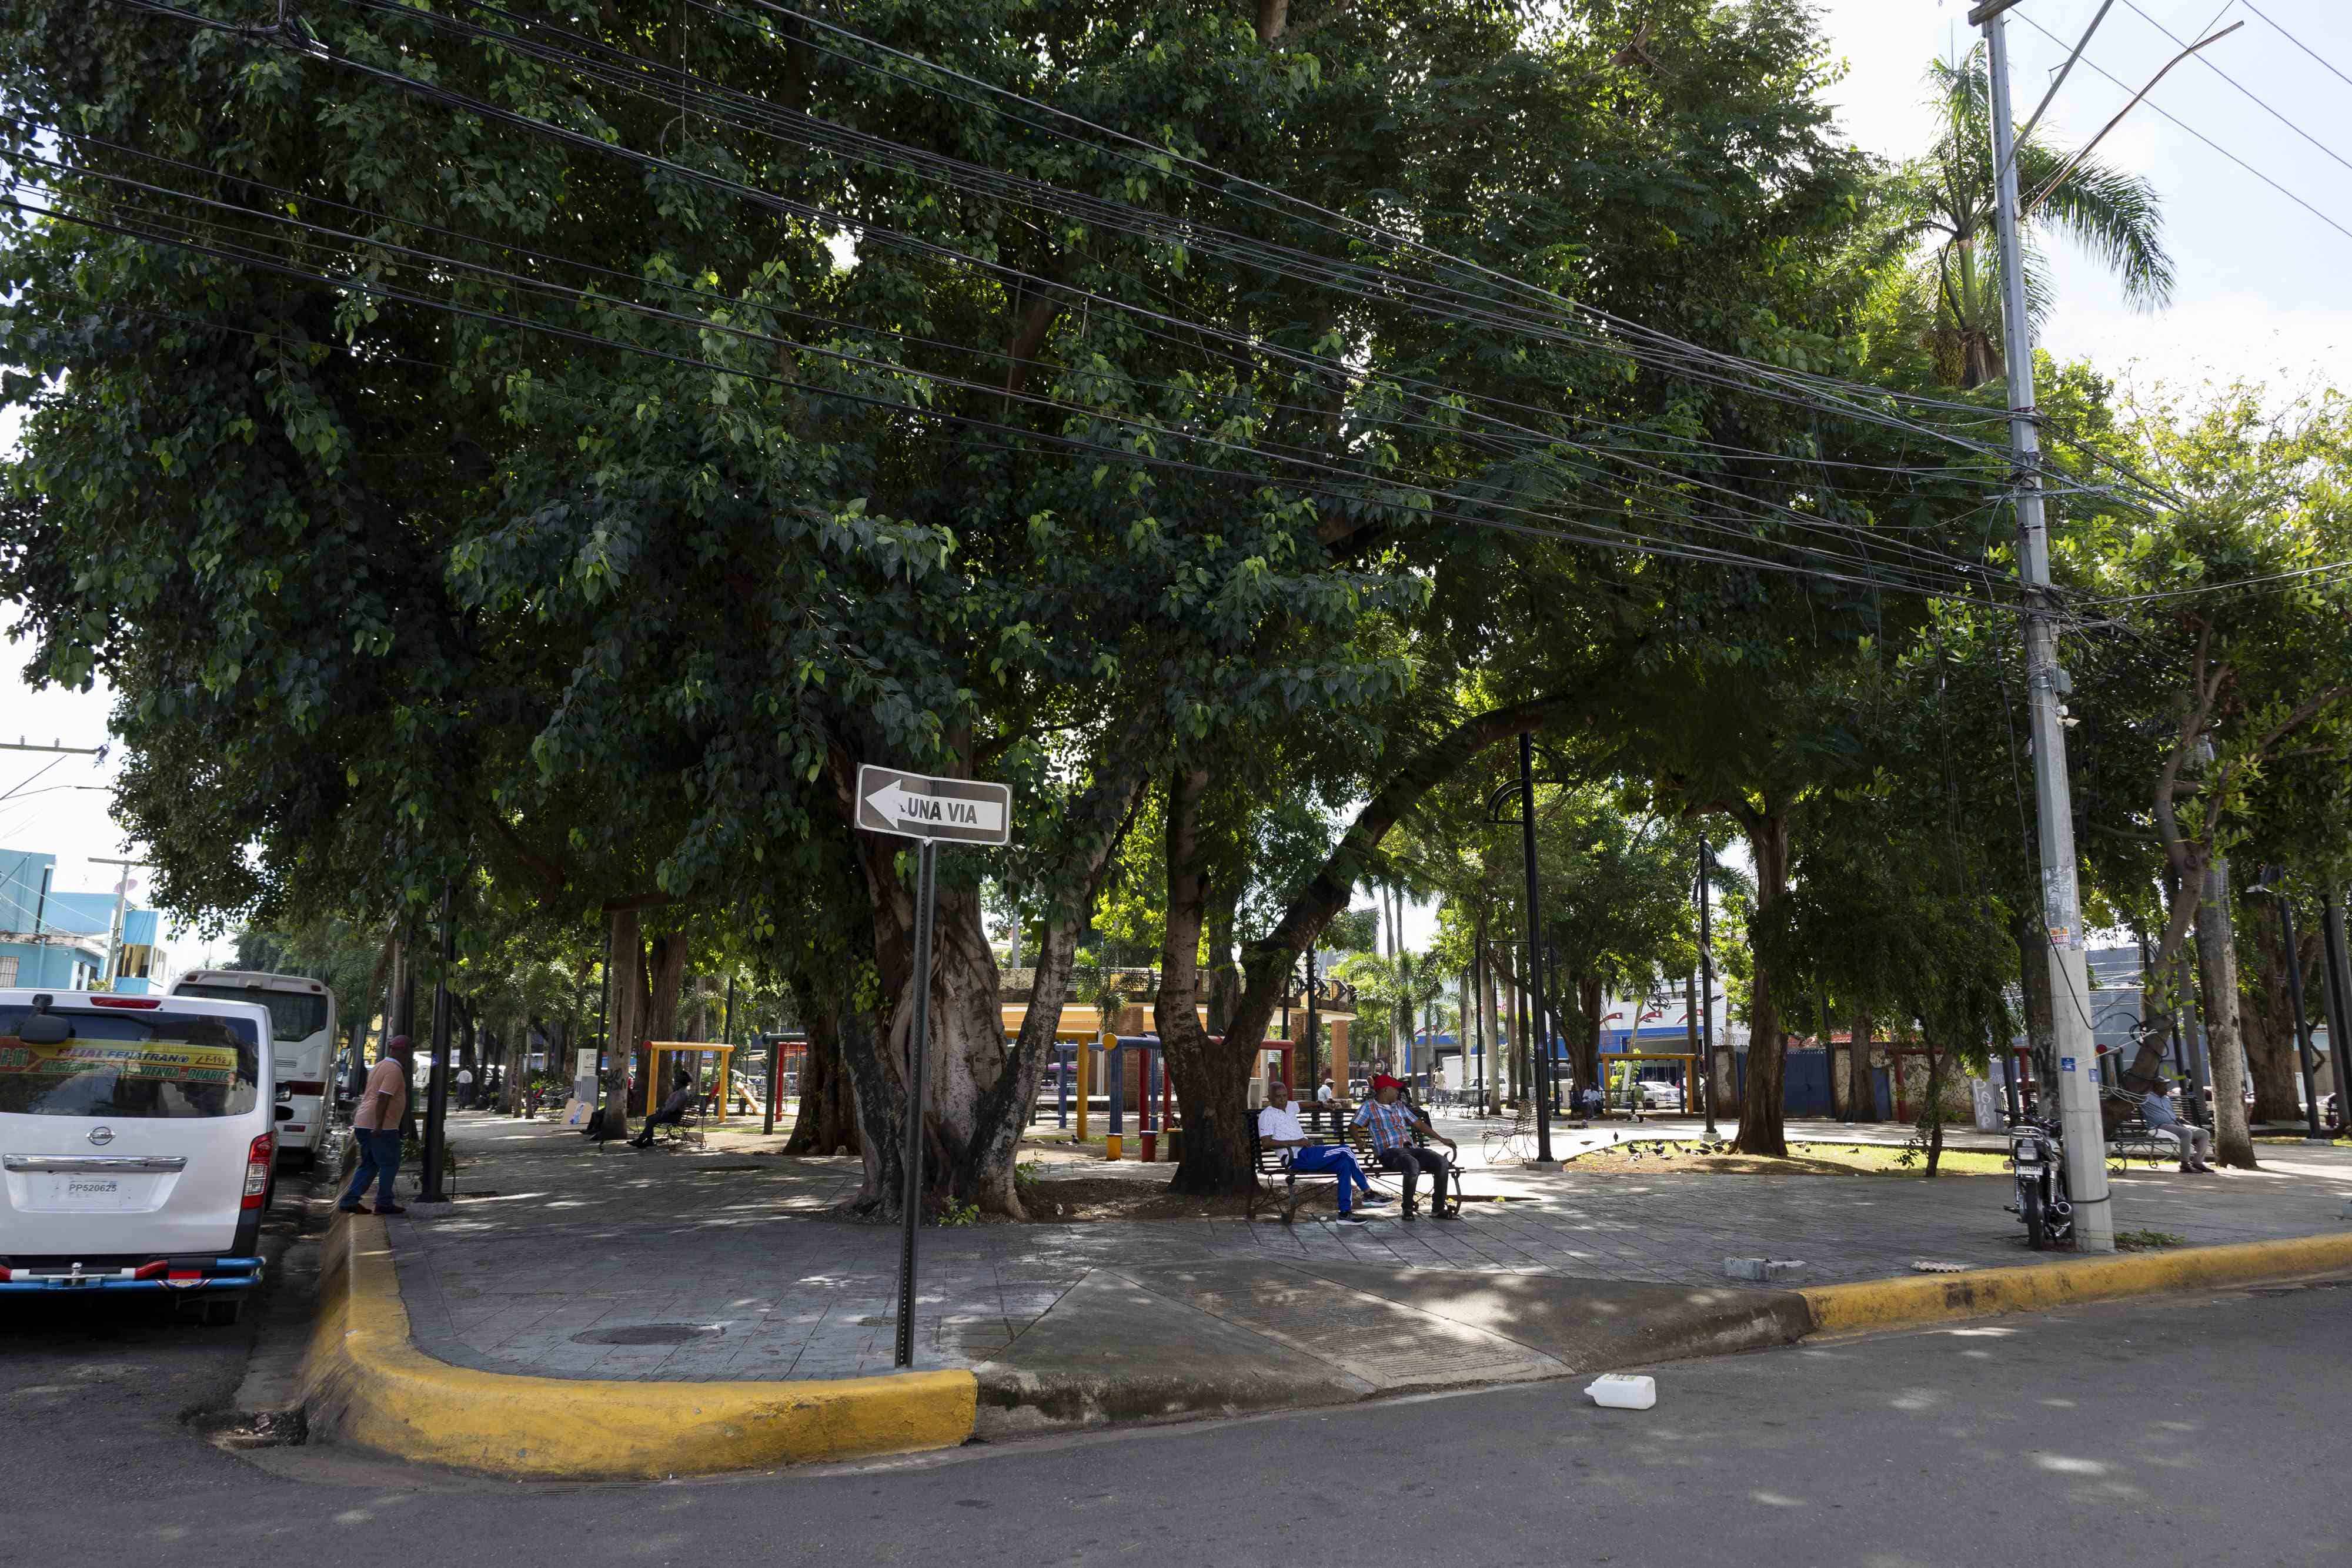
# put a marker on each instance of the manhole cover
(649, 1333)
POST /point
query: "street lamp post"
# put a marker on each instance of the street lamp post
(1539, 1029)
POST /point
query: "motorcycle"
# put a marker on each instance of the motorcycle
(2037, 1155)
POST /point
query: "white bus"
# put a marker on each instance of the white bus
(302, 1031)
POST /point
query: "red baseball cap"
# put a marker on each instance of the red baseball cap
(1385, 1082)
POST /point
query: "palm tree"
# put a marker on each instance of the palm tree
(1948, 196)
(1397, 988)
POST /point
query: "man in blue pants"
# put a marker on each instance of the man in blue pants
(375, 1127)
(1278, 1127)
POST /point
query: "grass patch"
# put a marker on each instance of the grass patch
(2147, 1240)
(1648, 1157)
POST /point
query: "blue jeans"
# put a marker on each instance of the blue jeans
(380, 1155)
(1322, 1158)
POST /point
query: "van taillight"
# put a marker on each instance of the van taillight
(257, 1170)
(140, 1002)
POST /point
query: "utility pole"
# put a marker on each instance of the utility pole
(1706, 985)
(21, 744)
(114, 932)
(2062, 904)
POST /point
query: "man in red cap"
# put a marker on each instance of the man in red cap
(1392, 1123)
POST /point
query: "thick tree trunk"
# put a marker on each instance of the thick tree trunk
(1588, 1033)
(2217, 974)
(1861, 1093)
(1225, 976)
(2266, 1022)
(878, 1083)
(966, 1053)
(1931, 1118)
(1210, 1077)
(1490, 1013)
(826, 1121)
(2041, 1023)
(624, 959)
(979, 1096)
(1763, 1105)
(665, 983)
(1269, 962)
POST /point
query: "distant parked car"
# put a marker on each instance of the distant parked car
(1657, 1094)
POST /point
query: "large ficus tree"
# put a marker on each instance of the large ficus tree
(571, 441)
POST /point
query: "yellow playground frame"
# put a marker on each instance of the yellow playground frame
(661, 1048)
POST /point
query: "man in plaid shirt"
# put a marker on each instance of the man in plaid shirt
(1392, 1123)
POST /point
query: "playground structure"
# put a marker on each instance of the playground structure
(1157, 1127)
(703, 1051)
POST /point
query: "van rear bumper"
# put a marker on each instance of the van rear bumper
(115, 1274)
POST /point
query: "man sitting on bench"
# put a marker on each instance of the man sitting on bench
(1392, 1124)
(1279, 1128)
(673, 1110)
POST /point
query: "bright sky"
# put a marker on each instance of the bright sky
(2259, 277)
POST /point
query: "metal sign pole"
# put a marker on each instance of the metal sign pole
(926, 809)
(917, 1047)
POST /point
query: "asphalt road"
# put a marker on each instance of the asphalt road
(2204, 1428)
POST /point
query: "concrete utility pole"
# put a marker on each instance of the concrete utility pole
(2062, 904)
(114, 932)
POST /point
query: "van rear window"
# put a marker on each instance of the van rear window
(130, 1065)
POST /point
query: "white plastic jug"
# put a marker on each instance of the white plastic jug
(1623, 1391)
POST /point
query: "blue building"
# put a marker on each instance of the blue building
(53, 938)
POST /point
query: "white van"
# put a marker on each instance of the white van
(135, 1145)
(303, 1049)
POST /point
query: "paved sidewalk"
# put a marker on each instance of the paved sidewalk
(723, 1265)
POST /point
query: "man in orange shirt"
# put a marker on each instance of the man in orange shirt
(375, 1127)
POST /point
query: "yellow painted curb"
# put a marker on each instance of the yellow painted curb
(364, 1384)
(1918, 1299)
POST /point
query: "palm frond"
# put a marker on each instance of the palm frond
(2117, 217)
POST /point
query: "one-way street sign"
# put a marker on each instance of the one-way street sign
(917, 806)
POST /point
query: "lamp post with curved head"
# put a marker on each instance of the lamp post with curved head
(1538, 1032)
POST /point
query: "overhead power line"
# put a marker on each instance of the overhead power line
(2193, 131)
(2298, 43)
(1869, 574)
(1255, 252)
(2264, 103)
(1713, 518)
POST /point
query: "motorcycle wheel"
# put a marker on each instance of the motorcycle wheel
(2037, 1224)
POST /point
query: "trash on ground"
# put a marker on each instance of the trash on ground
(1623, 1391)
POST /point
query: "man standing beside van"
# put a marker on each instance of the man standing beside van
(375, 1127)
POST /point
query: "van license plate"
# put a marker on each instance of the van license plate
(72, 1193)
